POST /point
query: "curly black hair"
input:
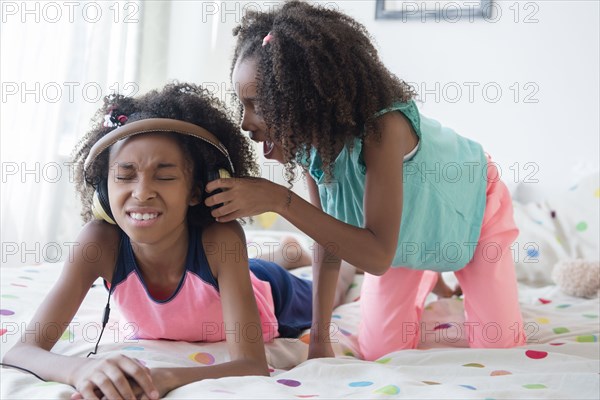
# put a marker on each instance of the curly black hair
(180, 101)
(320, 80)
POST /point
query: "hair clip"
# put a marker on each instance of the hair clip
(267, 39)
(112, 121)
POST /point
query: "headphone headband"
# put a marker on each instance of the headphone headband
(153, 125)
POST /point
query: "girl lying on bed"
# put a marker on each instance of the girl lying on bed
(173, 272)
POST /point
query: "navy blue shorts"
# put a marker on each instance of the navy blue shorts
(292, 297)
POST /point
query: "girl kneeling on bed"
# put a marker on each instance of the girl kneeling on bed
(173, 272)
(314, 91)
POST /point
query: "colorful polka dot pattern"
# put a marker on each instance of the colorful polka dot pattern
(202, 358)
(536, 355)
(500, 373)
(289, 382)
(305, 338)
(68, 335)
(134, 348)
(474, 365)
(587, 338)
(389, 389)
(360, 384)
(532, 252)
(370, 386)
(534, 386)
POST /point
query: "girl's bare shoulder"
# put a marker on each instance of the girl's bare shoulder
(396, 133)
(223, 243)
(96, 248)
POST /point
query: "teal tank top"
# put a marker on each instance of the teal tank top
(444, 194)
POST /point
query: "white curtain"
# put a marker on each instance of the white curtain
(58, 59)
(57, 62)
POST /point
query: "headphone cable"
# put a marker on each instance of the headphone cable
(23, 369)
(104, 322)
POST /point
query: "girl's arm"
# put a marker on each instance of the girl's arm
(326, 268)
(93, 255)
(229, 263)
(371, 247)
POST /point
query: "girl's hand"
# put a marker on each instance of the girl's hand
(320, 345)
(245, 197)
(322, 350)
(112, 378)
(162, 379)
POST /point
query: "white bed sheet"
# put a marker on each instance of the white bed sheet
(560, 360)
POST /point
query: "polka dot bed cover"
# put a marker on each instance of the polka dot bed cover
(559, 361)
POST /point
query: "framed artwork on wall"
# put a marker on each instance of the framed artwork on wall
(433, 10)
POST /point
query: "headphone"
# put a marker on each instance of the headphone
(100, 203)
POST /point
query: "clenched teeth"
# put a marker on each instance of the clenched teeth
(143, 217)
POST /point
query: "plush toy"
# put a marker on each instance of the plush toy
(579, 278)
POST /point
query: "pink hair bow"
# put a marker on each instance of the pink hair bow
(267, 39)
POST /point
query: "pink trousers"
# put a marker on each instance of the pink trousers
(391, 304)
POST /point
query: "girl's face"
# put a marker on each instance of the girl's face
(150, 187)
(244, 81)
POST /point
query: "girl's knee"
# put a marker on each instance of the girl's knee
(373, 347)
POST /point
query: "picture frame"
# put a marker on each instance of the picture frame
(433, 10)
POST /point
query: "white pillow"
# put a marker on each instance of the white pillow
(578, 218)
(538, 246)
(560, 228)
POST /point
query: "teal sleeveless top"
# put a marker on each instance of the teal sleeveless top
(444, 194)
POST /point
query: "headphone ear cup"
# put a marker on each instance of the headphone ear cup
(223, 173)
(217, 174)
(213, 175)
(101, 205)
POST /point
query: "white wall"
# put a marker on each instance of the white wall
(556, 55)
(544, 52)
